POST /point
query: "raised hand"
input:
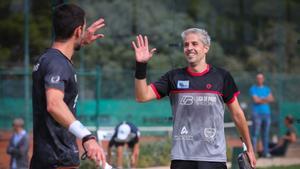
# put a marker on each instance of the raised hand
(142, 53)
(90, 35)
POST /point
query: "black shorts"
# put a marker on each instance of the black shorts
(185, 164)
(130, 144)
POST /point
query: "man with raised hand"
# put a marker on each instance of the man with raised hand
(55, 94)
(197, 95)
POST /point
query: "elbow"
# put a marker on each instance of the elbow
(51, 105)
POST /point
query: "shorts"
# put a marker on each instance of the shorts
(130, 144)
(186, 164)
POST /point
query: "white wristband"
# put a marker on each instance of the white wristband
(78, 129)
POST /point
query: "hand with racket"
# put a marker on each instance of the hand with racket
(243, 158)
(93, 151)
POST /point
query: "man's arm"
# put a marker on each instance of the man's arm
(135, 154)
(58, 108)
(240, 121)
(62, 114)
(143, 92)
(259, 100)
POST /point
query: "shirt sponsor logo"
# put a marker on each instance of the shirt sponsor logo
(197, 100)
(55, 79)
(208, 86)
(184, 130)
(187, 100)
(210, 134)
(184, 135)
(183, 84)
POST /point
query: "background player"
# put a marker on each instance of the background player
(126, 134)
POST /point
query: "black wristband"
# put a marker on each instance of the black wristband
(140, 70)
(87, 138)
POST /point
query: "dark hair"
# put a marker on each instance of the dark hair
(290, 119)
(66, 18)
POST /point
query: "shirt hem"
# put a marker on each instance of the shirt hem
(199, 159)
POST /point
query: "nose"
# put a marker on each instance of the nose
(188, 47)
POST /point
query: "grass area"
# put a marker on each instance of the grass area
(281, 167)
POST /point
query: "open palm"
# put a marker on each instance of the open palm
(141, 48)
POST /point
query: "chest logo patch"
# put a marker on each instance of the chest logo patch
(183, 84)
(208, 86)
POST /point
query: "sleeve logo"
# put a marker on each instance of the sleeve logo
(36, 67)
(55, 79)
(183, 84)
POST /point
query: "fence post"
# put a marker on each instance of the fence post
(97, 95)
(26, 63)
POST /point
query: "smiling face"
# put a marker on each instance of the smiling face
(194, 49)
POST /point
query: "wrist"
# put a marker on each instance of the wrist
(79, 130)
(88, 138)
(140, 70)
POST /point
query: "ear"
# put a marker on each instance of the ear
(206, 48)
(78, 31)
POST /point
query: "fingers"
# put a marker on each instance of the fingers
(98, 22)
(133, 45)
(152, 51)
(142, 40)
(98, 36)
(146, 41)
(95, 152)
(252, 159)
(96, 25)
(138, 42)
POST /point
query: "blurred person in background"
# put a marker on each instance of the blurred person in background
(261, 113)
(126, 134)
(18, 146)
(279, 148)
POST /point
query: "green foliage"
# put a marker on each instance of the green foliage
(151, 154)
(246, 35)
(87, 164)
(155, 154)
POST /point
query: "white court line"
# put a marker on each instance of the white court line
(157, 128)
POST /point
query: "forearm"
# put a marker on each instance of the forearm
(141, 90)
(241, 123)
(242, 126)
(61, 113)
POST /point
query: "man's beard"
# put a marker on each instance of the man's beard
(77, 47)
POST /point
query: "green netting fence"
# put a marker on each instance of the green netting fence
(106, 97)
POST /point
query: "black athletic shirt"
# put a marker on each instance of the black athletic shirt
(197, 101)
(54, 146)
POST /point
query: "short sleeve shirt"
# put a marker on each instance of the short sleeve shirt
(54, 145)
(197, 101)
